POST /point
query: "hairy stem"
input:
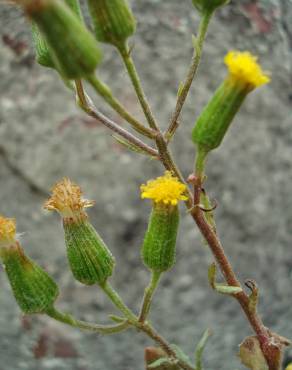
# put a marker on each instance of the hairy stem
(87, 106)
(142, 326)
(264, 337)
(197, 214)
(214, 243)
(148, 295)
(104, 91)
(118, 302)
(70, 320)
(183, 93)
(148, 329)
(130, 66)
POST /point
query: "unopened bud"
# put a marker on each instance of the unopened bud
(34, 290)
(73, 48)
(89, 258)
(158, 250)
(113, 20)
(245, 74)
(42, 52)
(74, 5)
(209, 5)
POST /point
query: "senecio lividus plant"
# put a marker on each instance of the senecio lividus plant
(64, 43)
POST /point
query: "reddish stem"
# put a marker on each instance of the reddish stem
(269, 349)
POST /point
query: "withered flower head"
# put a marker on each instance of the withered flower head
(67, 199)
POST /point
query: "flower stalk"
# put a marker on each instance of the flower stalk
(87, 106)
(125, 53)
(148, 295)
(105, 92)
(71, 321)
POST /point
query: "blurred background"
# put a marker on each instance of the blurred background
(43, 137)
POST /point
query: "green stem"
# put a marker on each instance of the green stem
(200, 162)
(148, 295)
(144, 327)
(118, 302)
(132, 71)
(85, 103)
(198, 49)
(104, 91)
(70, 320)
(151, 332)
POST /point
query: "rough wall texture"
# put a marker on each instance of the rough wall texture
(43, 137)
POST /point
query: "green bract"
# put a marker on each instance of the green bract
(34, 290)
(90, 260)
(113, 20)
(158, 250)
(75, 7)
(42, 52)
(209, 5)
(73, 48)
(216, 117)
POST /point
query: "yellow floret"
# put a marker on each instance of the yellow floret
(67, 199)
(289, 367)
(7, 230)
(166, 189)
(243, 66)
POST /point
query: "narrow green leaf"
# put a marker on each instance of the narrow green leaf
(181, 355)
(212, 275)
(220, 288)
(130, 146)
(227, 289)
(200, 348)
(161, 363)
(117, 319)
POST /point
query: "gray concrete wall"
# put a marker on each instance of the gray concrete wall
(44, 137)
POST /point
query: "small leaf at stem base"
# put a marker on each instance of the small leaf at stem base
(220, 288)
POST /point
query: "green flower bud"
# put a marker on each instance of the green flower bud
(158, 251)
(73, 48)
(43, 55)
(209, 5)
(245, 74)
(34, 290)
(74, 5)
(89, 258)
(113, 20)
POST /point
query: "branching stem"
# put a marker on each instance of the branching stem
(104, 91)
(125, 52)
(197, 214)
(143, 326)
(88, 107)
(70, 320)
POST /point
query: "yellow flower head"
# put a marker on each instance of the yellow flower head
(243, 67)
(67, 199)
(7, 231)
(289, 367)
(166, 190)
